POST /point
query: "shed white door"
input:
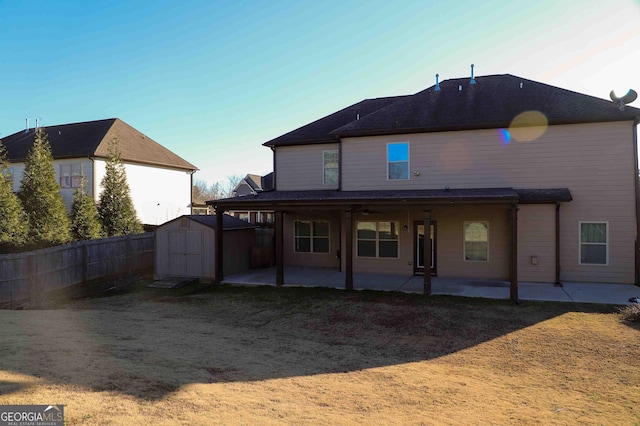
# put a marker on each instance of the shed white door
(185, 253)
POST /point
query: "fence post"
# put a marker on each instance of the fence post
(85, 267)
(32, 268)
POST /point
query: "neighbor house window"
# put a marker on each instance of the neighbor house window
(594, 243)
(330, 167)
(476, 241)
(377, 239)
(311, 236)
(8, 175)
(243, 216)
(70, 175)
(398, 161)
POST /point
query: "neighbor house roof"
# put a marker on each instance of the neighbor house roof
(492, 102)
(320, 130)
(91, 139)
(420, 196)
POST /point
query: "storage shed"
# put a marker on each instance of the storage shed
(185, 247)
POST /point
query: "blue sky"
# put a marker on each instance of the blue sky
(213, 80)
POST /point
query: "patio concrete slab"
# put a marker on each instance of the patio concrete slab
(298, 276)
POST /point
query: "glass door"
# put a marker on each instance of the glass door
(419, 247)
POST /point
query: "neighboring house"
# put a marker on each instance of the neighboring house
(506, 177)
(160, 181)
(185, 247)
(252, 185)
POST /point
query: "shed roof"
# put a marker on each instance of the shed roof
(91, 139)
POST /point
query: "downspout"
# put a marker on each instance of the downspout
(273, 150)
(191, 192)
(558, 283)
(637, 194)
(339, 164)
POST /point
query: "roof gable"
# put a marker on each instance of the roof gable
(91, 139)
(320, 130)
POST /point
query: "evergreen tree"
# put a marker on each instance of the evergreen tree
(13, 221)
(115, 208)
(85, 224)
(40, 196)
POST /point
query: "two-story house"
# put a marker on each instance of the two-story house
(249, 186)
(493, 177)
(159, 180)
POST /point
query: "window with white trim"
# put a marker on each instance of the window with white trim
(70, 175)
(311, 236)
(398, 161)
(476, 241)
(594, 243)
(330, 166)
(377, 239)
(8, 175)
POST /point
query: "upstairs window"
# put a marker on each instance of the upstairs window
(476, 241)
(311, 236)
(398, 161)
(70, 175)
(594, 243)
(330, 167)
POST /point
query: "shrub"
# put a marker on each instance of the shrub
(631, 313)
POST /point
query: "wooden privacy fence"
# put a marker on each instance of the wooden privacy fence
(30, 276)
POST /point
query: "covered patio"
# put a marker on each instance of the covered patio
(348, 205)
(300, 276)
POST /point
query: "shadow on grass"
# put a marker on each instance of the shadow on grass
(148, 343)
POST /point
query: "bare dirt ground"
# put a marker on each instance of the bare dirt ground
(319, 356)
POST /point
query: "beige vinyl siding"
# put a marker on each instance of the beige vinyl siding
(325, 260)
(300, 168)
(537, 237)
(595, 161)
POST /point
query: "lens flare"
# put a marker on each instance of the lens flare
(505, 135)
(528, 126)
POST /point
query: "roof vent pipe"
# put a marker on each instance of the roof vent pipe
(37, 123)
(437, 89)
(460, 88)
(473, 80)
(26, 129)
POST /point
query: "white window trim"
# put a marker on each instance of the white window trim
(324, 176)
(377, 240)
(464, 241)
(328, 237)
(408, 161)
(71, 175)
(580, 243)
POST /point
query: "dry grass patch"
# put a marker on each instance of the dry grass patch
(266, 355)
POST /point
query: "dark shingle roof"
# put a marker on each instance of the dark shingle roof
(320, 130)
(493, 102)
(328, 197)
(91, 139)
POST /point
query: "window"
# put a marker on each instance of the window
(594, 243)
(311, 236)
(398, 161)
(330, 167)
(377, 239)
(243, 216)
(476, 241)
(70, 175)
(8, 175)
